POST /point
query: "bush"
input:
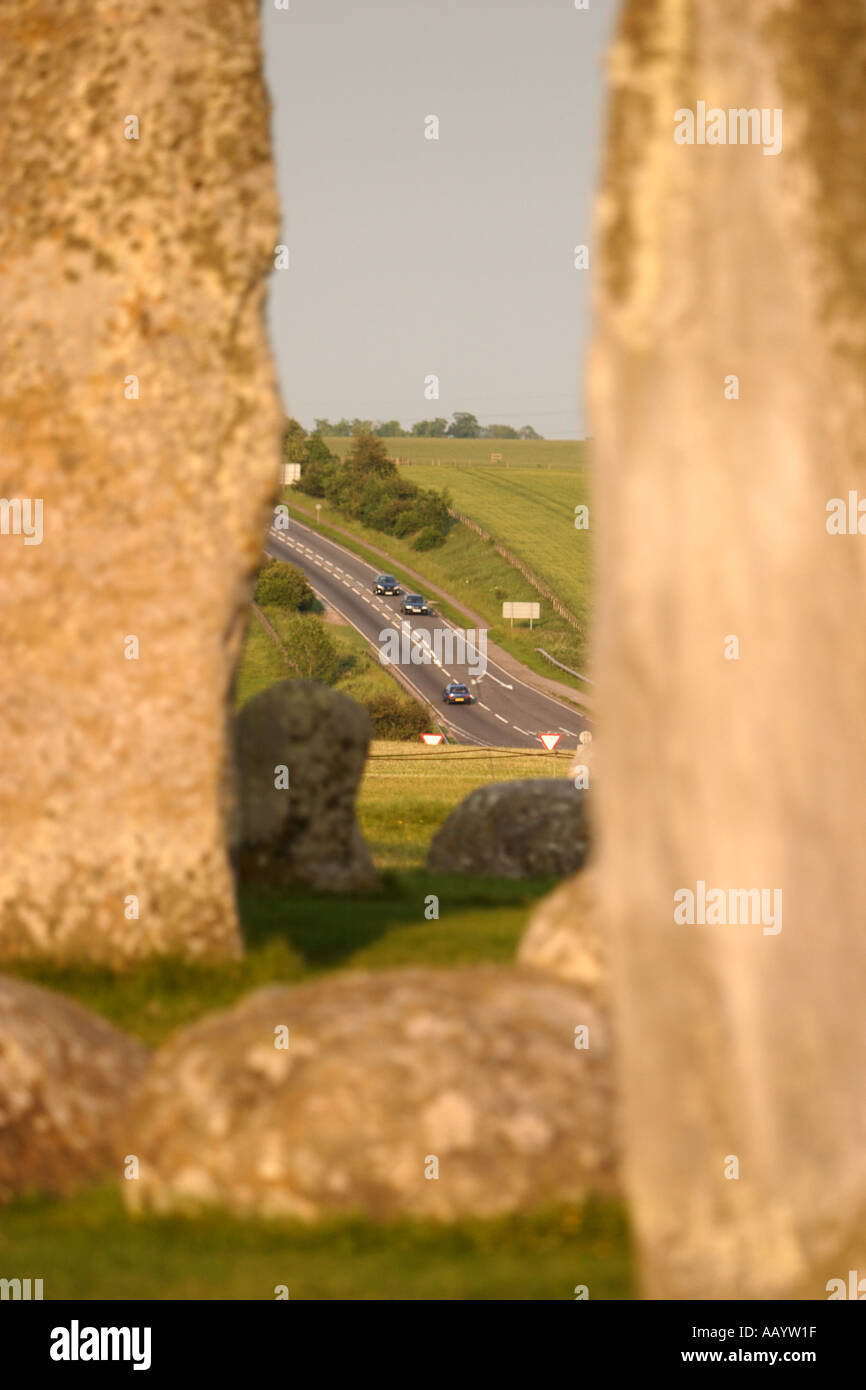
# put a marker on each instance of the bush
(283, 586)
(311, 649)
(368, 487)
(396, 716)
(428, 539)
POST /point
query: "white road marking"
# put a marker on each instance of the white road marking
(499, 716)
(569, 731)
(523, 731)
(483, 706)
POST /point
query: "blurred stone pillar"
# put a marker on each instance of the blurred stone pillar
(138, 222)
(717, 261)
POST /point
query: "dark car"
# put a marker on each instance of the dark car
(414, 603)
(385, 584)
(456, 694)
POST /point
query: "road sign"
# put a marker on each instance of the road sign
(431, 738)
(521, 610)
(550, 741)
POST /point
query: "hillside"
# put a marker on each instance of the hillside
(526, 501)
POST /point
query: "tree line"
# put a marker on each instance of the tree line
(368, 486)
(463, 425)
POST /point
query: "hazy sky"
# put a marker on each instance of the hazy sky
(454, 256)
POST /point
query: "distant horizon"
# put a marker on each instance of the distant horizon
(445, 438)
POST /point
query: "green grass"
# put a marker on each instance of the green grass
(297, 935)
(468, 568)
(261, 664)
(527, 501)
(547, 454)
(409, 790)
(87, 1247)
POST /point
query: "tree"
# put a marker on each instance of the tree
(430, 429)
(529, 433)
(464, 425)
(501, 432)
(311, 649)
(323, 427)
(294, 442)
(316, 465)
(390, 429)
(283, 586)
(368, 456)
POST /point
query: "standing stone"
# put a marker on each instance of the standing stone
(738, 769)
(299, 755)
(66, 1077)
(437, 1093)
(563, 938)
(138, 404)
(534, 826)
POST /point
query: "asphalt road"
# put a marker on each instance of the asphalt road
(506, 712)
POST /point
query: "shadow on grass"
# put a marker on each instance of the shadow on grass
(293, 935)
(325, 930)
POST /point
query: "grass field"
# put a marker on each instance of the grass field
(527, 500)
(409, 790)
(566, 454)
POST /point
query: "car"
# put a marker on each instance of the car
(385, 584)
(456, 694)
(414, 603)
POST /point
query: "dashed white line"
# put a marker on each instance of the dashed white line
(499, 716)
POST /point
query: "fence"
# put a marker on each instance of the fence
(518, 564)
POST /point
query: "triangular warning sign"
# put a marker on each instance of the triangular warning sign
(550, 741)
(431, 738)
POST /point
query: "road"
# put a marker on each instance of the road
(507, 712)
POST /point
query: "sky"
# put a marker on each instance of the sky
(412, 257)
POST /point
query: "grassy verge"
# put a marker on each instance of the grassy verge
(361, 675)
(261, 664)
(468, 565)
(540, 1255)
